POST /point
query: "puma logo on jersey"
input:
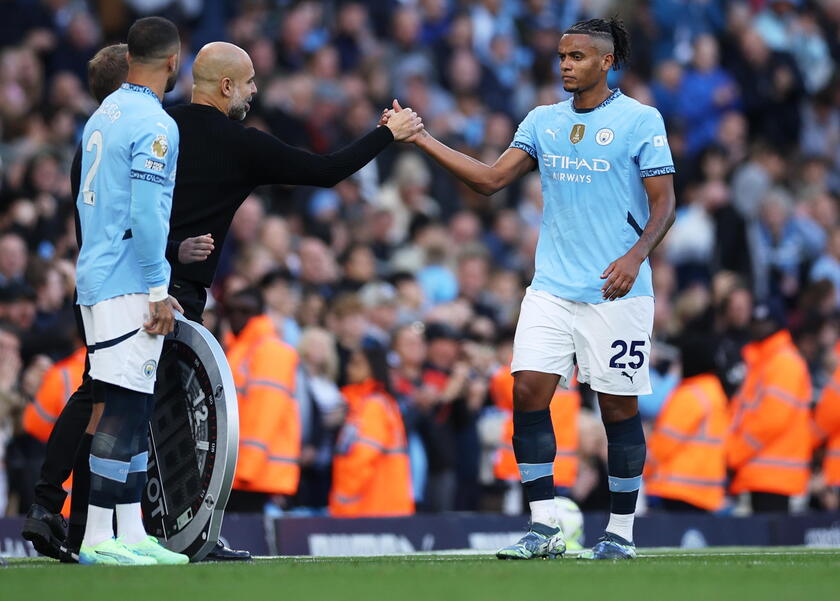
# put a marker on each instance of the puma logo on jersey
(551, 132)
(628, 376)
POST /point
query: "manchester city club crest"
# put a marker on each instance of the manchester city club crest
(604, 136)
(149, 368)
(576, 135)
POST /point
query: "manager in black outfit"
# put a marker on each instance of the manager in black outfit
(219, 163)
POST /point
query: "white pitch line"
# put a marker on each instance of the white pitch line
(462, 554)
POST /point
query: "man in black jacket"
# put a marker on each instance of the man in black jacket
(220, 161)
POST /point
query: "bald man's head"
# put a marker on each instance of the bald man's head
(223, 76)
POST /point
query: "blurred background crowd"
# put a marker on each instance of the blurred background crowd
(406, 263)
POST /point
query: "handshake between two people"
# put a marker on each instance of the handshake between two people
(404, 123)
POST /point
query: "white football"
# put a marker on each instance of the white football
(571, 520)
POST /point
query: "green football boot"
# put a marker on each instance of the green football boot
(541, 542)
(112, 552)
(151, 548)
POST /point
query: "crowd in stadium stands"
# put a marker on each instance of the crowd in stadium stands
(384, 308)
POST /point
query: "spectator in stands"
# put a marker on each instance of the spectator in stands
(13, 258)
(827, 267)
(707, 91)
(322, 412)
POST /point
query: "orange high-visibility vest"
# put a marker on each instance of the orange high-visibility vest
(686, 454)
(565, 407)
(827, 420)
(263, 369)
(770, 442)
(60, 381)
(371, 471)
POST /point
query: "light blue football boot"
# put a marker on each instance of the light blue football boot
(541, 542)
(610, 546)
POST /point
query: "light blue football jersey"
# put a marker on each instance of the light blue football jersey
(592, 164)
(129, 155)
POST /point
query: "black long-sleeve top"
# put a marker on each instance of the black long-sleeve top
(220, 162)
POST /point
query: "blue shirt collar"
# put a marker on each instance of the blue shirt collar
(615, 94)
(133, 87)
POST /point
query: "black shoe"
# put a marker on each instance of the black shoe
(45, 530)
(222, 553)
(67, 554)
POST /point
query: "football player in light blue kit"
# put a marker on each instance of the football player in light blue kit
(605, 168)
(130, 150)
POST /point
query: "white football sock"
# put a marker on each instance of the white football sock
(100, 526)
(130, 523)
(622, 525)
(545, 512)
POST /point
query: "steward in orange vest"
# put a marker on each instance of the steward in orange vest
(371, 472)
(60, 381)
(827, 420)
(770, 442)
(565, 407)
(686, 462)
(263, 369)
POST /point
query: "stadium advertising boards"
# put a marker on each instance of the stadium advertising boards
(348, 537)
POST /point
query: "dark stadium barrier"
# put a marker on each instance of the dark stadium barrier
(481, 532)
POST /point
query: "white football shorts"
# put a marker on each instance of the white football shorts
(119, 349)
(610, 340)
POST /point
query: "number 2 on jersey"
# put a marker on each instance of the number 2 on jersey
(95, 140)
(635, 352)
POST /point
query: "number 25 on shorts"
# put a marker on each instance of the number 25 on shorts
(633, 349)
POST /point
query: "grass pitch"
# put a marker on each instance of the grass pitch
(738, 574)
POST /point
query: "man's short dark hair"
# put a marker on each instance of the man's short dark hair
(152, 38)
(107, 71)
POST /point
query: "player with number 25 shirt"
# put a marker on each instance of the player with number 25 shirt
(606, 173)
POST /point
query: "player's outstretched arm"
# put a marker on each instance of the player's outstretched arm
(621, 273)
(484, 179)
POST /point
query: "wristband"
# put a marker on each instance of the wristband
(158, 293)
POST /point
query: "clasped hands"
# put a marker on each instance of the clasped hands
(404, 123)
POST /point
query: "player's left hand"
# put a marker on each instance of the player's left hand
(620, 276)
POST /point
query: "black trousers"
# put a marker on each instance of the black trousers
(70, 426)
(192, 296)
(64, 439)
(680, 506)
(768, 502)
(245, 501)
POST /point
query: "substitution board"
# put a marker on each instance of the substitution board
(193, 442)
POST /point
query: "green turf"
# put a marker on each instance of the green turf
(737, 574)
